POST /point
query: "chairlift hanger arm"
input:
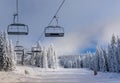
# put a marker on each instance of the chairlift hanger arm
(16, 28)
(57, 12)
(17, 10)
(16, 15)
(14, 18)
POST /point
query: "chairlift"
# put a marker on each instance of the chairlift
(17, 29)
(36, 49)
(54, 31)
(19, 48)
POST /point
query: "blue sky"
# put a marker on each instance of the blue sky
(86, 22)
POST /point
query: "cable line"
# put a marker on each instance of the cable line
(60, 34)
(57, 12)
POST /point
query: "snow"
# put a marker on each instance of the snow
(57, 76)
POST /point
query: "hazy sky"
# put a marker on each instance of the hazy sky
(86, 22)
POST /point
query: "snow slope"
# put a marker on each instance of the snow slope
(37, 75)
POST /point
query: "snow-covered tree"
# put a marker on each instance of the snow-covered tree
(102, 64)
(45, 62)
(79, 62)
(87, 60)
(12, 53)
(105, 60)
(92, 62)
(118, 51)
(52, 58)
(112, 56)
(37, 57)
(6, 62)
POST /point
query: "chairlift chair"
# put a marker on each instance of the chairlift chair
(17, 29)
(19, 48)
(54, 31)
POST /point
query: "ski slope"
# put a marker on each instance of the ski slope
(37, 75)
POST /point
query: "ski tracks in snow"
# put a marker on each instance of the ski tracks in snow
(37, 75)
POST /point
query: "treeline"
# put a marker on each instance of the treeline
(41, 57)
(105, 60)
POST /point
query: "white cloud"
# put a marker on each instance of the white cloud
(81, 38)
(75, 41)
(110, 29)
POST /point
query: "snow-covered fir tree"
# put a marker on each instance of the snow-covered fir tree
(51, 57)
(12, 53)
(92, 62)
(105, 60)
(101, 65)
(112, 55)
(118, 53)
(37, 57)
(6, 60)
(86, 61)
(45, 60)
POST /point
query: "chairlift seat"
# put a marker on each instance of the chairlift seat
(17, 24)
(29, 52)
(17, 29)
(54, 31)
(19, 53)
(36, 49)
(54, 34)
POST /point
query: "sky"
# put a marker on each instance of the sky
(87, 23)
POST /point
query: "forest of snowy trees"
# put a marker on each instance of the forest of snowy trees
(43, 58)
(105, 60)
(39, 57)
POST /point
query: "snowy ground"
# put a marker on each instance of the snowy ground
(37, 75)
